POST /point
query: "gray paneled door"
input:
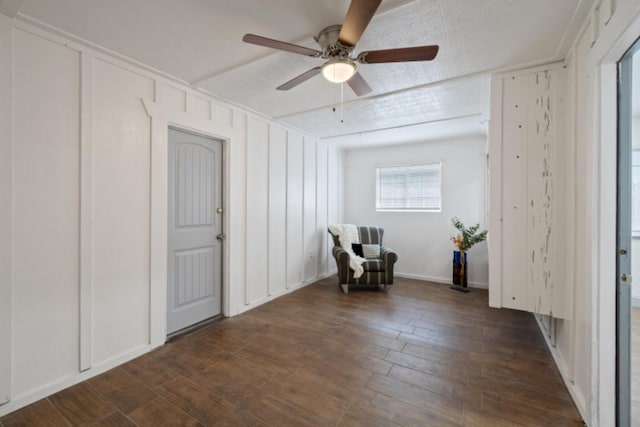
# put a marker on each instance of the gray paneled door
(624, 370)
(194, 279)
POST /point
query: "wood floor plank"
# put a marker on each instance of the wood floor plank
(121, 389)
(81, 405)
(117, 419)
(149, 371)
(417, 355)
(443, 407)
(159, 412)
(41, 413)
(442, 370)
(196, 401)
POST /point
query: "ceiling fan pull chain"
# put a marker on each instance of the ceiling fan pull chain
(342, 102)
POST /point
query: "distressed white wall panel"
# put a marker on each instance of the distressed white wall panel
(46, 212)
(295, 208)
(200, 107)
(195, 179)
(174, 98)
(321, 210)
(528, 143)
(540, 190)
(277, 209)
(514, 191)
(309, 218)
(6, 115)
(121, 211)
(257, 209)
(222, 115)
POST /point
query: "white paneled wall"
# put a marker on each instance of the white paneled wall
(295, 209)
(121, 216)
(45, 212)
(83, 201)
(256, 287)
(309, 217)
(322, 211)
(6, 115)
(277, 210)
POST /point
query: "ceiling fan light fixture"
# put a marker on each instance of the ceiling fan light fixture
(338, 70)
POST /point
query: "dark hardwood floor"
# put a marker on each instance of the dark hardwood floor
(418, 355)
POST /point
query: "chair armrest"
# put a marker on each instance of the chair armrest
(342, 261)
(389, 256)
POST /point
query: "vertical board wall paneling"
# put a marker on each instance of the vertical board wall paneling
(321, 209)
(333, 194)
(6, 142)
(514, 208)
(46, 215)
(86, 206)
(236, 202)
(257, 210)
(582, 321)
(121, 183)
(277, 210)
(295, 209)
(309, 219)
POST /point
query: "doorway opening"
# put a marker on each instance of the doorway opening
(195, 230)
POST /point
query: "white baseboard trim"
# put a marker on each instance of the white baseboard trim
(22, 400)
(577, 397)
(445, 280)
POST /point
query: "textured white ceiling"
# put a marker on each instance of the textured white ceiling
(200, 41)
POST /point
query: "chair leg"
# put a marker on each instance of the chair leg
(345, 288)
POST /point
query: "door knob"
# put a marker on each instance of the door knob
(221, 236)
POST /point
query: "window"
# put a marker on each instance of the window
(409, 188)
(635, 192)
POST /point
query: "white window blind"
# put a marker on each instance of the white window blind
(409, 188)
(635, 192)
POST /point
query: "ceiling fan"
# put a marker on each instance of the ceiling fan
(337, 42)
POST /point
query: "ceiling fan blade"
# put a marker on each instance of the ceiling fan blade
(418, 53)
(358, 17)
(277, 44)
(359, 85)
(300, 79)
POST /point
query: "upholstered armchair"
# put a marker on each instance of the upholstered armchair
(378, 270)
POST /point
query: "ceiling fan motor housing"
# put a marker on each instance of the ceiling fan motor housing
(331, 47)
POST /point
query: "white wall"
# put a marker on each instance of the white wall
(83, 208)
(422, 239)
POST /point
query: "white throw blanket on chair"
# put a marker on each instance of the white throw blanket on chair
(348, 234)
